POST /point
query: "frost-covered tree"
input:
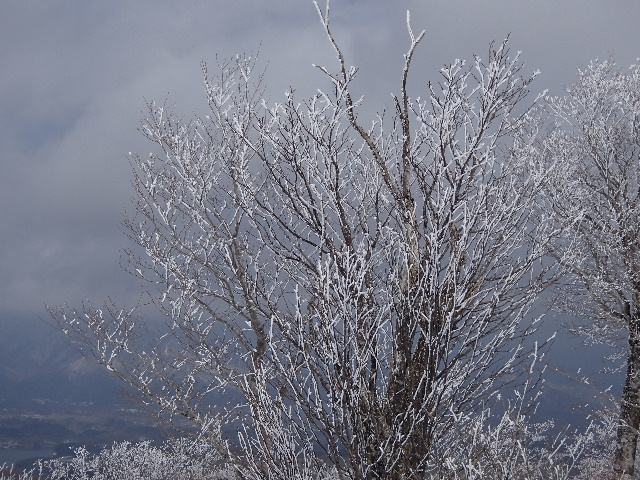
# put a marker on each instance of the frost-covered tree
(348, 295)
(593, 150)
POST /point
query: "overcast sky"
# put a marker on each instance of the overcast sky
(75, 75)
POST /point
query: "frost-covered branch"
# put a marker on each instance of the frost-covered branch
(593, 194)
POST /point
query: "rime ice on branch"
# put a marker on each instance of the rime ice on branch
(365, 290)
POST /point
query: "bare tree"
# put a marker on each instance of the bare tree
(594, 152)
(364, 290)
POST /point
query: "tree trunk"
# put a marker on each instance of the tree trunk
(627, 439)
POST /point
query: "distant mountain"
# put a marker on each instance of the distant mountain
(51, 398)
(36, 362)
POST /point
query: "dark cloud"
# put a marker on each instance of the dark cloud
(75, 75)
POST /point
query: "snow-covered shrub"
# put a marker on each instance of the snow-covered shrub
(177, 459)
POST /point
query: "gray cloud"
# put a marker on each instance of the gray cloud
(75, 75)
